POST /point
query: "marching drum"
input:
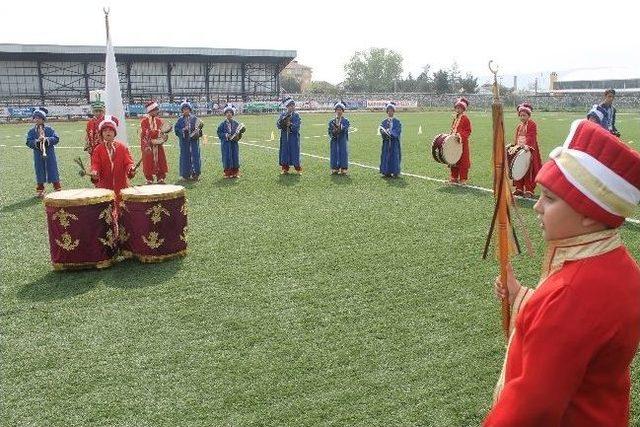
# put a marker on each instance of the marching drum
(165, 129)
(447, 149)
(519, 160)
(153, 222)
(81, 228)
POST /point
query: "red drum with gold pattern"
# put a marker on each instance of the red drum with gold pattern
(519, 159)
(81, 226)
(447, 149)
(153, 222)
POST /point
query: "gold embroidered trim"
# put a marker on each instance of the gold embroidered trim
(123, 236)
(575, 248)
(80, 265)
(152, 197)
(159, 258)
(67, 243)
(109, 240)
(156, 211)
(153, 240)
(85, 201)
(107, 215)
(63, 217)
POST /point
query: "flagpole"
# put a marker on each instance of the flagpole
(106, 19)
(113, 95)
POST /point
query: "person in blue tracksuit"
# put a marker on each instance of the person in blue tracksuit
(596, 115)
(338, 131)
(188, 129)
(289, 124)
(609, 121)
(390, 156)
(229, 144)
(42, 140)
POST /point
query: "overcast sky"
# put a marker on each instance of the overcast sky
(524, 37)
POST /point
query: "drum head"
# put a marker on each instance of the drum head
(451, 150)
(153, 192)
(79, 197)
(520, 163)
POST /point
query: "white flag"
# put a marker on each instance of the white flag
(113, 101)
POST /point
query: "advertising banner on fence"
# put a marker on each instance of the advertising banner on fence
(68, 110)
(20, 112)
(379, 105)
(135, 109)
(261, 107)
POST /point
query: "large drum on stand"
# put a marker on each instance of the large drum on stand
(153, 222)
(82, 228)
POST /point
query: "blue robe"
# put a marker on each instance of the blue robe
(390, 155)
(46, 168)
(339, 152)
(230, 149)
(189, 149)
(290, 141)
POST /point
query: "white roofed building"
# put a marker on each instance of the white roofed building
(596, 80)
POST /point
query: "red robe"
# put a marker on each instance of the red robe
(113, 173)
(462, 126)
(154, 161)
(569, 354)
(93, 137)
(527, 134)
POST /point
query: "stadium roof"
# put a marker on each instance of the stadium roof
(603, 73)
(599, 91)
(26, 50)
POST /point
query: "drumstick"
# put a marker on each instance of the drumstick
(82, 171)
(135, 168)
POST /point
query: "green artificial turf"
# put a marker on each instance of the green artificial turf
(312, 300)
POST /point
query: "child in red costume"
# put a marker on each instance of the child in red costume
(154, 160)
(574, 337)
(527, 137)
(111, 161)
(462, 127)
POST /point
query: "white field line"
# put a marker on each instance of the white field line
(361, 165)
(413, 175)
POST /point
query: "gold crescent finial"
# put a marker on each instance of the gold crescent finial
(493, 68)
(106, 10)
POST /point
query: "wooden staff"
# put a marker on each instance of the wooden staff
(502, 197)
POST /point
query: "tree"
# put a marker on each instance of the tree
(441, 82)
(322, 87)
(469, 84)
(375, 70)
(289, 84)
(454, 77)
(423, 82)
(408, 84)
